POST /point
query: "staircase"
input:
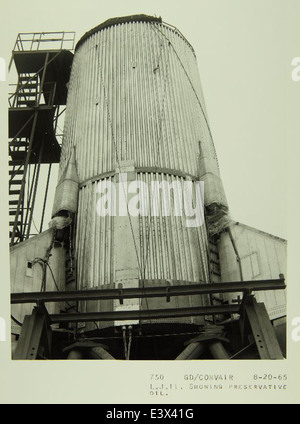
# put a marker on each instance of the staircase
(16, 197)
(28, 90)
(43, 65)
(26, 96)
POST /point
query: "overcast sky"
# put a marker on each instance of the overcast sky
(244, 51)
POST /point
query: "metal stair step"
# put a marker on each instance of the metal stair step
(32, 89)
(28, 83)
(24, 102)
(18, 143)
(19, 156)
(13, 202)
(14, 192)
(26, 98)
(15, 182)
(16, 172)
(27, 77)
(16, 162)
(11, 224)
(14, 213)
(28, 93)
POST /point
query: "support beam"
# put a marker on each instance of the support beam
(101, 353)
(218, 351)
(46, 197)
(144, 315)
(34, 331)
(142, 292)
(35, 190)
(193, 351)
(262, 330)
(75, 355)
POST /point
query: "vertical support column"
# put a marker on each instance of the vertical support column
(192, 351)
(218, 351)
(33, 329)
(45, 198)
(75, 355)
(262, 329)
(126, 241)
(43, 78)
(35, 190)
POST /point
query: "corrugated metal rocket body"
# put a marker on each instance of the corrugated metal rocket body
(135, 105)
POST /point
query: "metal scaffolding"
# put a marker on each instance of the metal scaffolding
(43, 65)
(255, 326)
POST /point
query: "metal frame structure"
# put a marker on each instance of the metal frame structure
(33, 41)
(43, 62)
(148, 292)
(34, 112)
(254, 320)
(36, 335)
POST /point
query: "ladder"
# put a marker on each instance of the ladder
(26, 97)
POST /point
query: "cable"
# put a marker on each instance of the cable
(238, 257)
(16, 321)
(146, 336)
(130, 343)
(127, 348)
(191, 83)
(118, 160)
(34, 224)
(125, 342)
(70, 306)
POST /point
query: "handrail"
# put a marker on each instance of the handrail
(20, 94)
(65, 38)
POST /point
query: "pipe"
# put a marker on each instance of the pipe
(236, 252)
(101, 353)
(193, 351)
(75, 355)
(218, 351)
(129, 343)
(35, 189)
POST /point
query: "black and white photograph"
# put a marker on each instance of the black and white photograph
(149, 202)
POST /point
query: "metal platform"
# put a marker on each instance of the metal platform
(58, 69)
(43, 63)
(21, 126)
